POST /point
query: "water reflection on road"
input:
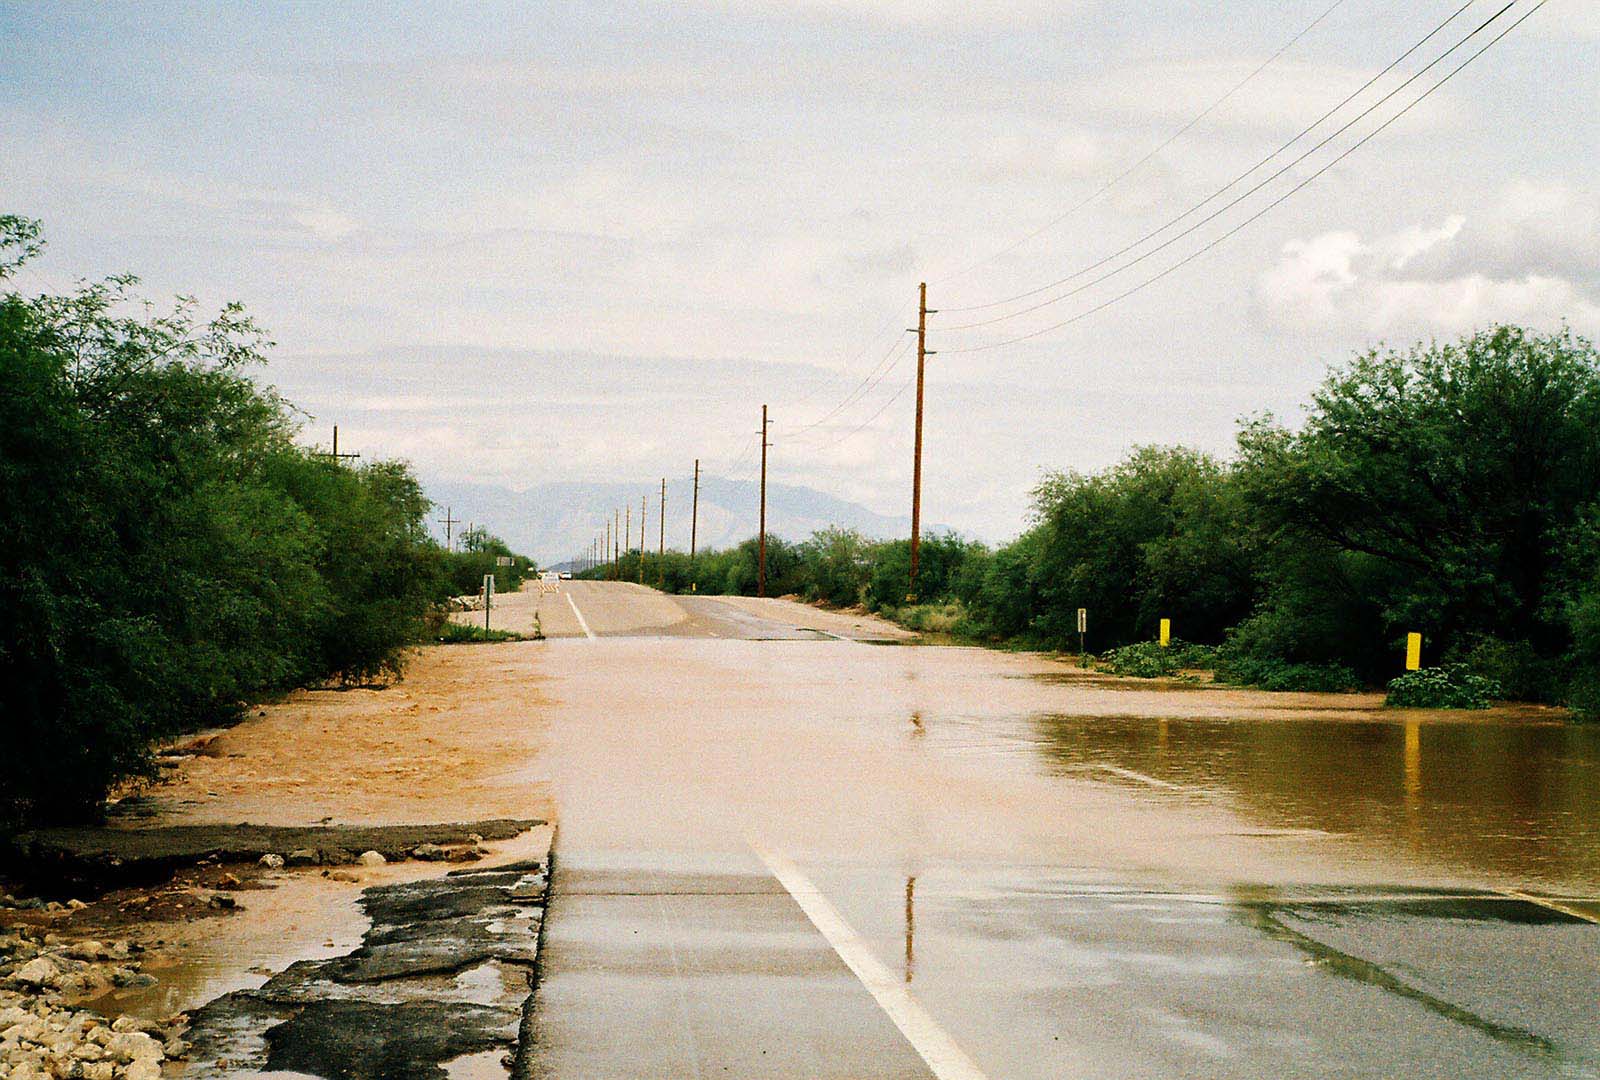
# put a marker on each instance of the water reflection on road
(1519, 802)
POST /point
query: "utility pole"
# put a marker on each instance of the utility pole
(916, 459)
(661, 538)
(335, 456)
(761, 559)
(642, 520)
(449, 523)
(616, 545)
(694, 514)
(627, 536)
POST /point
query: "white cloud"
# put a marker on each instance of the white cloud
(1408, 282)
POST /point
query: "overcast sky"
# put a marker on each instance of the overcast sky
(525, 242)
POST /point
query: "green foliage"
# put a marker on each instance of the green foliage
(1148, 660)
(1267, 673)
(1163, 534)
(171, 554)
(454, 633)
(1448, 686)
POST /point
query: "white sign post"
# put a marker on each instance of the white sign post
(488, 601)
(1083, 624)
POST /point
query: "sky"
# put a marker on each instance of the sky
(525, 242)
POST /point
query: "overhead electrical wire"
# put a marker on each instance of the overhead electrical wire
(891, 360)
(1153, 233)
(1148, 157)
(1266, 209)
(890, 400)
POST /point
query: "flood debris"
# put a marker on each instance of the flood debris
(105, 857)
(446, 971)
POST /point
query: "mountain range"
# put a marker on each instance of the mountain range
(555, 523)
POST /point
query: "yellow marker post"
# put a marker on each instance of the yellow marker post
(1413, 651)
(1166, 632)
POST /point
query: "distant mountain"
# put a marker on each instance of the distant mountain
(555, 522)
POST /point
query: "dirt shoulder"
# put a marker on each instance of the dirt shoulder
(455, 740)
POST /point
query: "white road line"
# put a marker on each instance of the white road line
(581, 620)
(947, 1060)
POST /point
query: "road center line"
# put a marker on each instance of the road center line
(581, 620)
(947, 1060)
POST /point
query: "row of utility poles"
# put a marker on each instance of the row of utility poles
(609, 545)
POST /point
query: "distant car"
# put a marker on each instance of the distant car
(566, 575)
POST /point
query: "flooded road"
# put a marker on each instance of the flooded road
(821, 858)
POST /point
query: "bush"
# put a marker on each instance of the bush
(1148, 660)
(1281, 675)
(1448, 686)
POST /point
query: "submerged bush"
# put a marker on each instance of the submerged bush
(1448, 686)
(1148, 660)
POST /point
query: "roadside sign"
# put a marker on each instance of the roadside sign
(1166, 632)
(1083, 620)
(502, 560)
(1413, 651)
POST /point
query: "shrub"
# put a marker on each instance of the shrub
(1148, 660)
(1282, 675)
(1448, 686)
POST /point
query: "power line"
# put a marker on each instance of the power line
(1270, 206)
(898, 354)
(1152, 234)
(1137, 165)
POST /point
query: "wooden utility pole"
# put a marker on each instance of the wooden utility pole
(335, 455)
(661, 538)
(761, 558)
(916, 457)
(616, 544)
(642, 519)
(627, 536)
(449, 523)
(694, 514)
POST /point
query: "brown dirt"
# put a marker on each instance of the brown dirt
(443, 744)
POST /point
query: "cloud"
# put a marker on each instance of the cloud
(1423, 279)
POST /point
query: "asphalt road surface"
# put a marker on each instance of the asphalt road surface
(783, 853)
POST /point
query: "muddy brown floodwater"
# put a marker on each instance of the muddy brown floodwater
(1075, 875)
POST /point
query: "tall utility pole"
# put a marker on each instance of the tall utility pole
(661, 538)
(642, 520)
(616, 544)
(694, 514)
(761, 559)
(449, 524)
(627, 536)
(916, 459)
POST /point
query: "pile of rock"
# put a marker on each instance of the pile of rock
(43, 1035)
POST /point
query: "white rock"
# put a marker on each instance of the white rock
(38, 971)
(143, 1069)
(371, 858)
(130, 1046)
(271, 861)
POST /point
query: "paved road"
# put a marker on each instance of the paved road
(579, 609)
(798, 858)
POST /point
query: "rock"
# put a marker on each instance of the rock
(175, 1048)
(102, 1070)
(271, 862)
(130, 1046)
(39, 971)
(142, 1070)
(229, 881)
(86, 950)
(134, 979)
(76, 905)
(301, 857)
(429, 852)
(134, 1023)
(371, 858)
(342, 875)
(223, 901)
